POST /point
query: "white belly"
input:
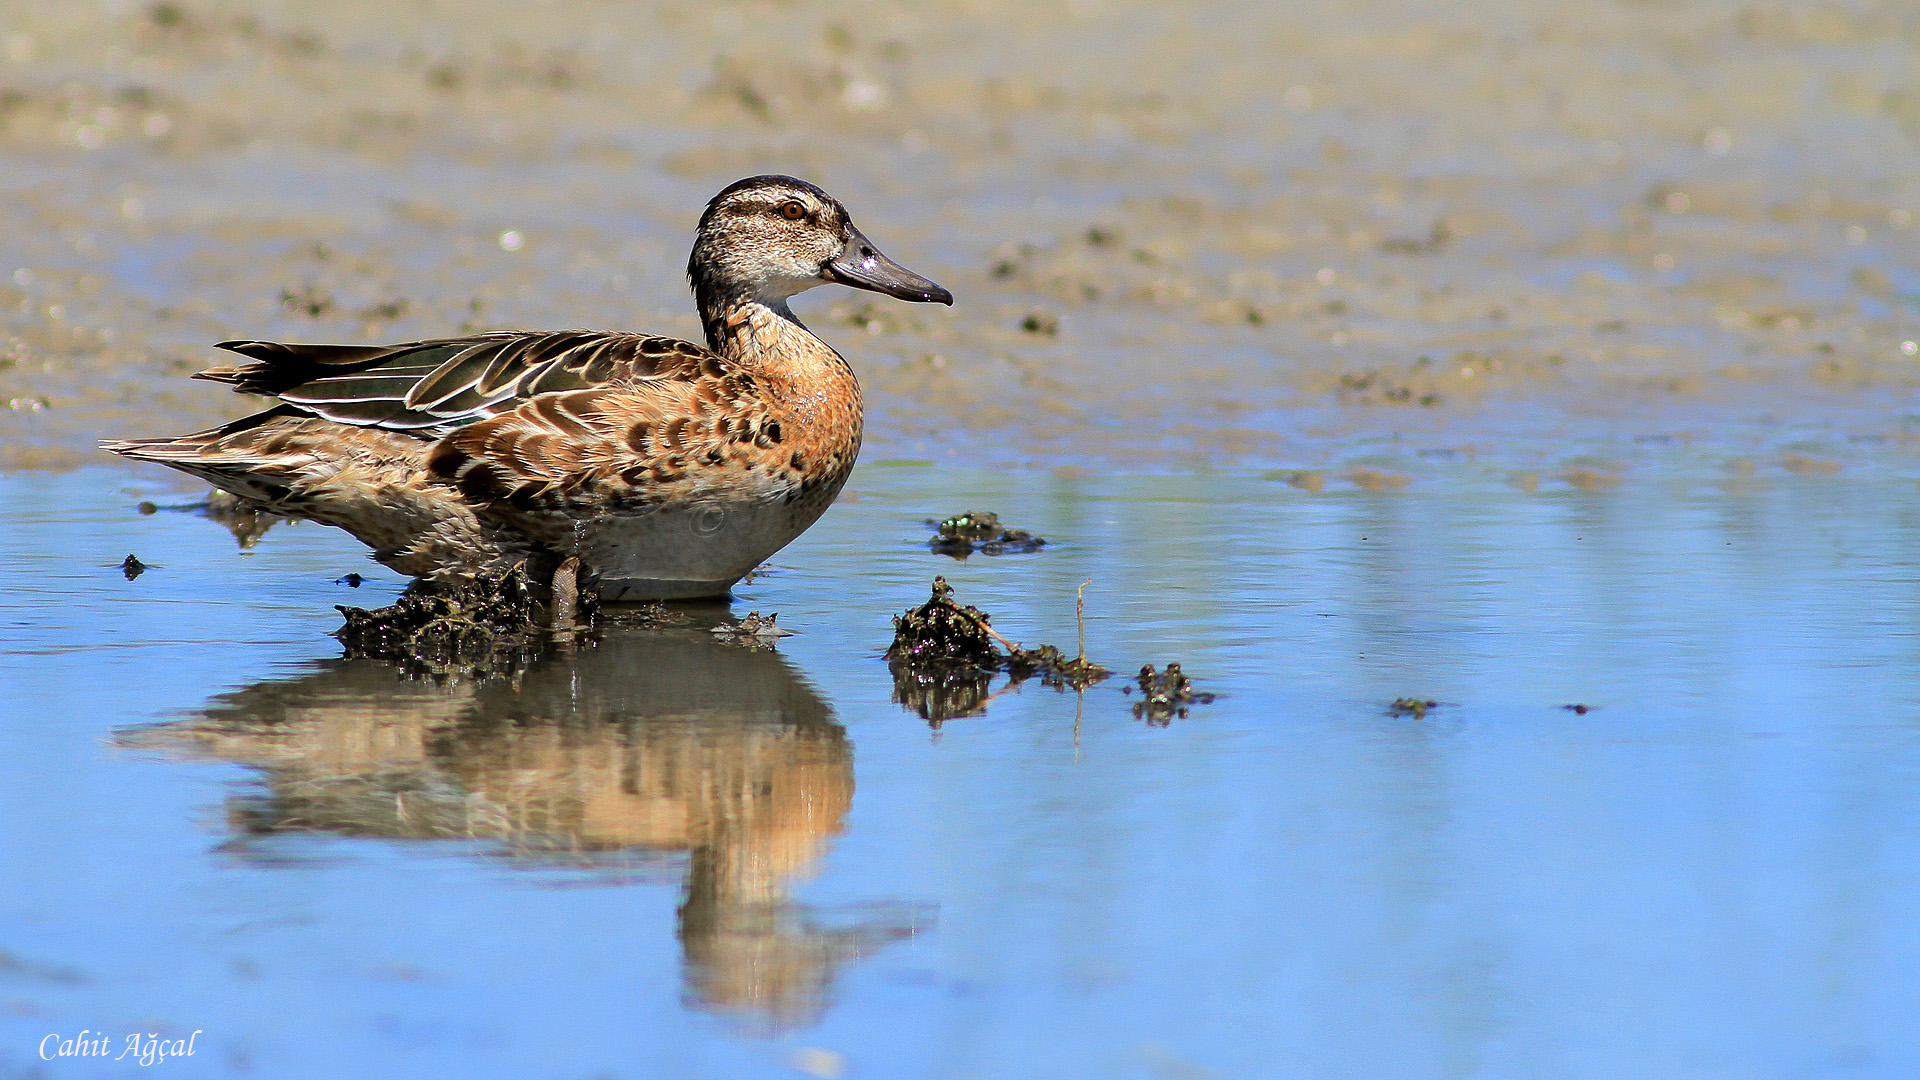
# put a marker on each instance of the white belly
(687, 551)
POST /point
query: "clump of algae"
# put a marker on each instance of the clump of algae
(944, 655)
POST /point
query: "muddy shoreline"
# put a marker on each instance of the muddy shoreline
(1219, 240)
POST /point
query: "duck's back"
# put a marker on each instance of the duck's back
(430, 388)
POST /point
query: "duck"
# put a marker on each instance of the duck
(653, 467)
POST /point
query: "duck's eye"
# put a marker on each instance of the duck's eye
(793, 210)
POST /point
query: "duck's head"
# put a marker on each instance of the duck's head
(769, 237)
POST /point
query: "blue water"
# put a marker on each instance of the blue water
(668, 858)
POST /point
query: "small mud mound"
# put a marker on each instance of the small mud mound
(940, 631)
(944, 655)
(1415, 708)
(1164, 695)
(963, 534)
(478, 628)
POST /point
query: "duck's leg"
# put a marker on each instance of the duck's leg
(566, 594)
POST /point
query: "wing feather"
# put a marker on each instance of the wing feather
(430, 388)
(466, 370)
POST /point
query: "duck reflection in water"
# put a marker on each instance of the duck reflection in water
(648, 745)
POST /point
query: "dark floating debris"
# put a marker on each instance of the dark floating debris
(479, 628)
(944, 655)
(1054, 668)
(132, 566)
(1164, 695)
(963, 534)
(756, 631)
(1413, 707)
(147, 509)
(351, 581)
(1578, 709)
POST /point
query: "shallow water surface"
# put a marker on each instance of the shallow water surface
(664, 857)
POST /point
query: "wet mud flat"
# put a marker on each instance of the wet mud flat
(1239, 237)
(751, 856)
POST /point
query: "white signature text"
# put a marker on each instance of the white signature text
(146, 1049)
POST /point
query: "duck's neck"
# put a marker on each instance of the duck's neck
(809, 387)
(762, 334)
(812, 386)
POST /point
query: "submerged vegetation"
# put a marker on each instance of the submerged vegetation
(475, 628)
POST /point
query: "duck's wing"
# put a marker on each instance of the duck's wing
(429, 388)
(628, 445)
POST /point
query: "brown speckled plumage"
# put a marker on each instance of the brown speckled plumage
(467, 455)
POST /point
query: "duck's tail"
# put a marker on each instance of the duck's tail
(368, 481)
(231, 457)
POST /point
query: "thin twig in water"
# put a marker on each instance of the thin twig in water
(1080, 616)
(1001, 638)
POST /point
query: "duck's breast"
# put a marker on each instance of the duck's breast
(699, 548)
